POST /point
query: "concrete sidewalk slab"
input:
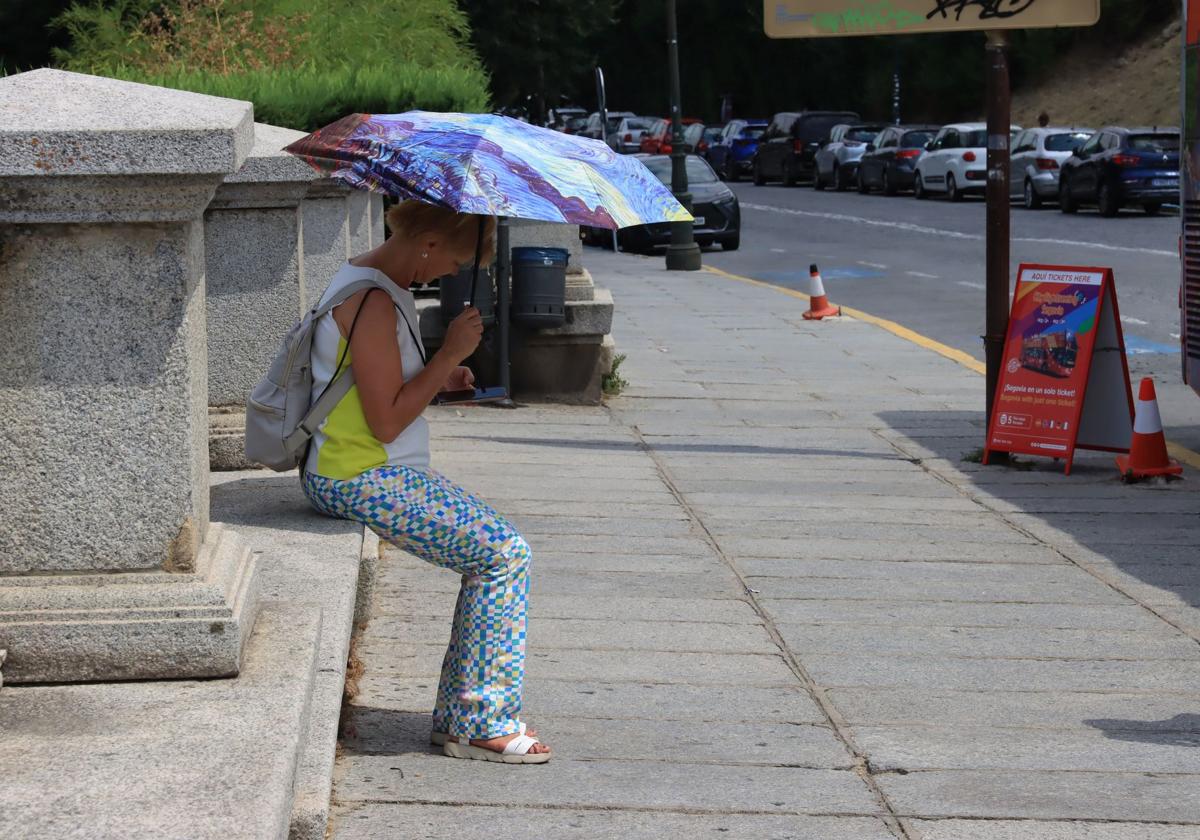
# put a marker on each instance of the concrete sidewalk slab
(766, 562)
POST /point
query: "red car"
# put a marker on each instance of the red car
(657, 139)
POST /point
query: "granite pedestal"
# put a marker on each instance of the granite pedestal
(108, 567)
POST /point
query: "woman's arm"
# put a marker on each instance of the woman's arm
(389, 403)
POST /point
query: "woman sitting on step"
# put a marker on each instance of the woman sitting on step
(369, 462)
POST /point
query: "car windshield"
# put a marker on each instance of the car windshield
(698, 172)
(862, 135)
(1154, 142)
(752, 132)
(817, 128)
(916, 139)
(639, 123)
(976, 139)
(613, 123)
(1067, 141)
(577, 122)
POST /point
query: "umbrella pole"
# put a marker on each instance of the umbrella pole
(503, 278)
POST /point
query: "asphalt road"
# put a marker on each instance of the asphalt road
(921, 264)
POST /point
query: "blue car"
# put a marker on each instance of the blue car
(733, 151)
(1119, 166)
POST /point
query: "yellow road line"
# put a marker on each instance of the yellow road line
(1177, 451)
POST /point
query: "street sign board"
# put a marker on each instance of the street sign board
(1064, 383)
(824, 18)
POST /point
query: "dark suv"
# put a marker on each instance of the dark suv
(1119, 166)
(785, 151)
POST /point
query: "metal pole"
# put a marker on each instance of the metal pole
(998, 204)
(503, 278)
(683, 254)
(602, 107)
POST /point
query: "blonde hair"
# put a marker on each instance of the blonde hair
(460, 230)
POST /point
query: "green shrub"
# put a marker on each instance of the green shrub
(308, 98)
(303, 63)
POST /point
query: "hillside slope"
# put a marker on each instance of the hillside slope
(1090, 87)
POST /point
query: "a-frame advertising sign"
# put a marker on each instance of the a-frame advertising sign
(1064, 384)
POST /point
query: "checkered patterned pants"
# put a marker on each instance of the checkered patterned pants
(424, 513)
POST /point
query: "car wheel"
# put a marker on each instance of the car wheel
(731, 170)
(1107, 201)
(1152, 208)
(863, 187)
(759, 180)
(818, 181)
(1066, 202)
(731, 242)
(1033, 201)
(889, 186)
(952, 191)
(919, 187)
(841, 181)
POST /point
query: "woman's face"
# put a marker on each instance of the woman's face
(441, 262)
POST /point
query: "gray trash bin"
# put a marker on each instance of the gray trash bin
(456, 288)
(539, 286)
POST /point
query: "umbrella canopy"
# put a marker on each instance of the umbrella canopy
(490, 165)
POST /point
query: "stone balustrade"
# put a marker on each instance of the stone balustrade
(109, 568)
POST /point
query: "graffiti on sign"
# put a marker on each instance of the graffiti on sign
(988, 9)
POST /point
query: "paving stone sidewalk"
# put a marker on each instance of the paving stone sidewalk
(770, 600)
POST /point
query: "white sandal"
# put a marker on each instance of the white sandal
(439, 739)
(516, 751)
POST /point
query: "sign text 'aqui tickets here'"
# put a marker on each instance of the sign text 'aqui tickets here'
(1064, 384)
(818, 18)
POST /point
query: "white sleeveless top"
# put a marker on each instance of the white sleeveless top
(343, 446)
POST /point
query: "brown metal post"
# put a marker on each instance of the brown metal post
(999, 101)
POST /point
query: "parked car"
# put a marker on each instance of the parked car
(786, 149)
(592, 129)
(627, 138)
(731, 153)
(559, 117)
(955, 163)
(889, 162)
(836, 160)
(659, 134)
(575, 125)
(1119, 166)
(1037, 155)
(714, 208)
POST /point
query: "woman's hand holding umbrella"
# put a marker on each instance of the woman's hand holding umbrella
(463, 335)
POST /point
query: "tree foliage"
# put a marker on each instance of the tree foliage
(723, 50)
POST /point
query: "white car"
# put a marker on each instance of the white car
(837, 159)
(1037, 154)
(627, 138)
(955, 162)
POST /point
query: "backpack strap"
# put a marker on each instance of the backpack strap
(342, 381)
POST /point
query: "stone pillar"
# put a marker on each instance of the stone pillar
(109, 568)
(256, 282)
(326, 212)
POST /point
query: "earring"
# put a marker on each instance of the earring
(424, 255)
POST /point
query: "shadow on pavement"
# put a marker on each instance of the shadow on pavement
(709, 448)
(274, 502)
(370, 731)
(1132, 534)
(1180, 731)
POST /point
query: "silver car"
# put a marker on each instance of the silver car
(627, 138)
(1037, 154)
(837, 159)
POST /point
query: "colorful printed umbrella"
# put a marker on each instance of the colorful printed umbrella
(491, 165)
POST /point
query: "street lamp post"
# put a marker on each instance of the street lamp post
(683, 254)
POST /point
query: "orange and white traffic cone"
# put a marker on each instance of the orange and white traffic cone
(819, 307)
(1148, 448)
